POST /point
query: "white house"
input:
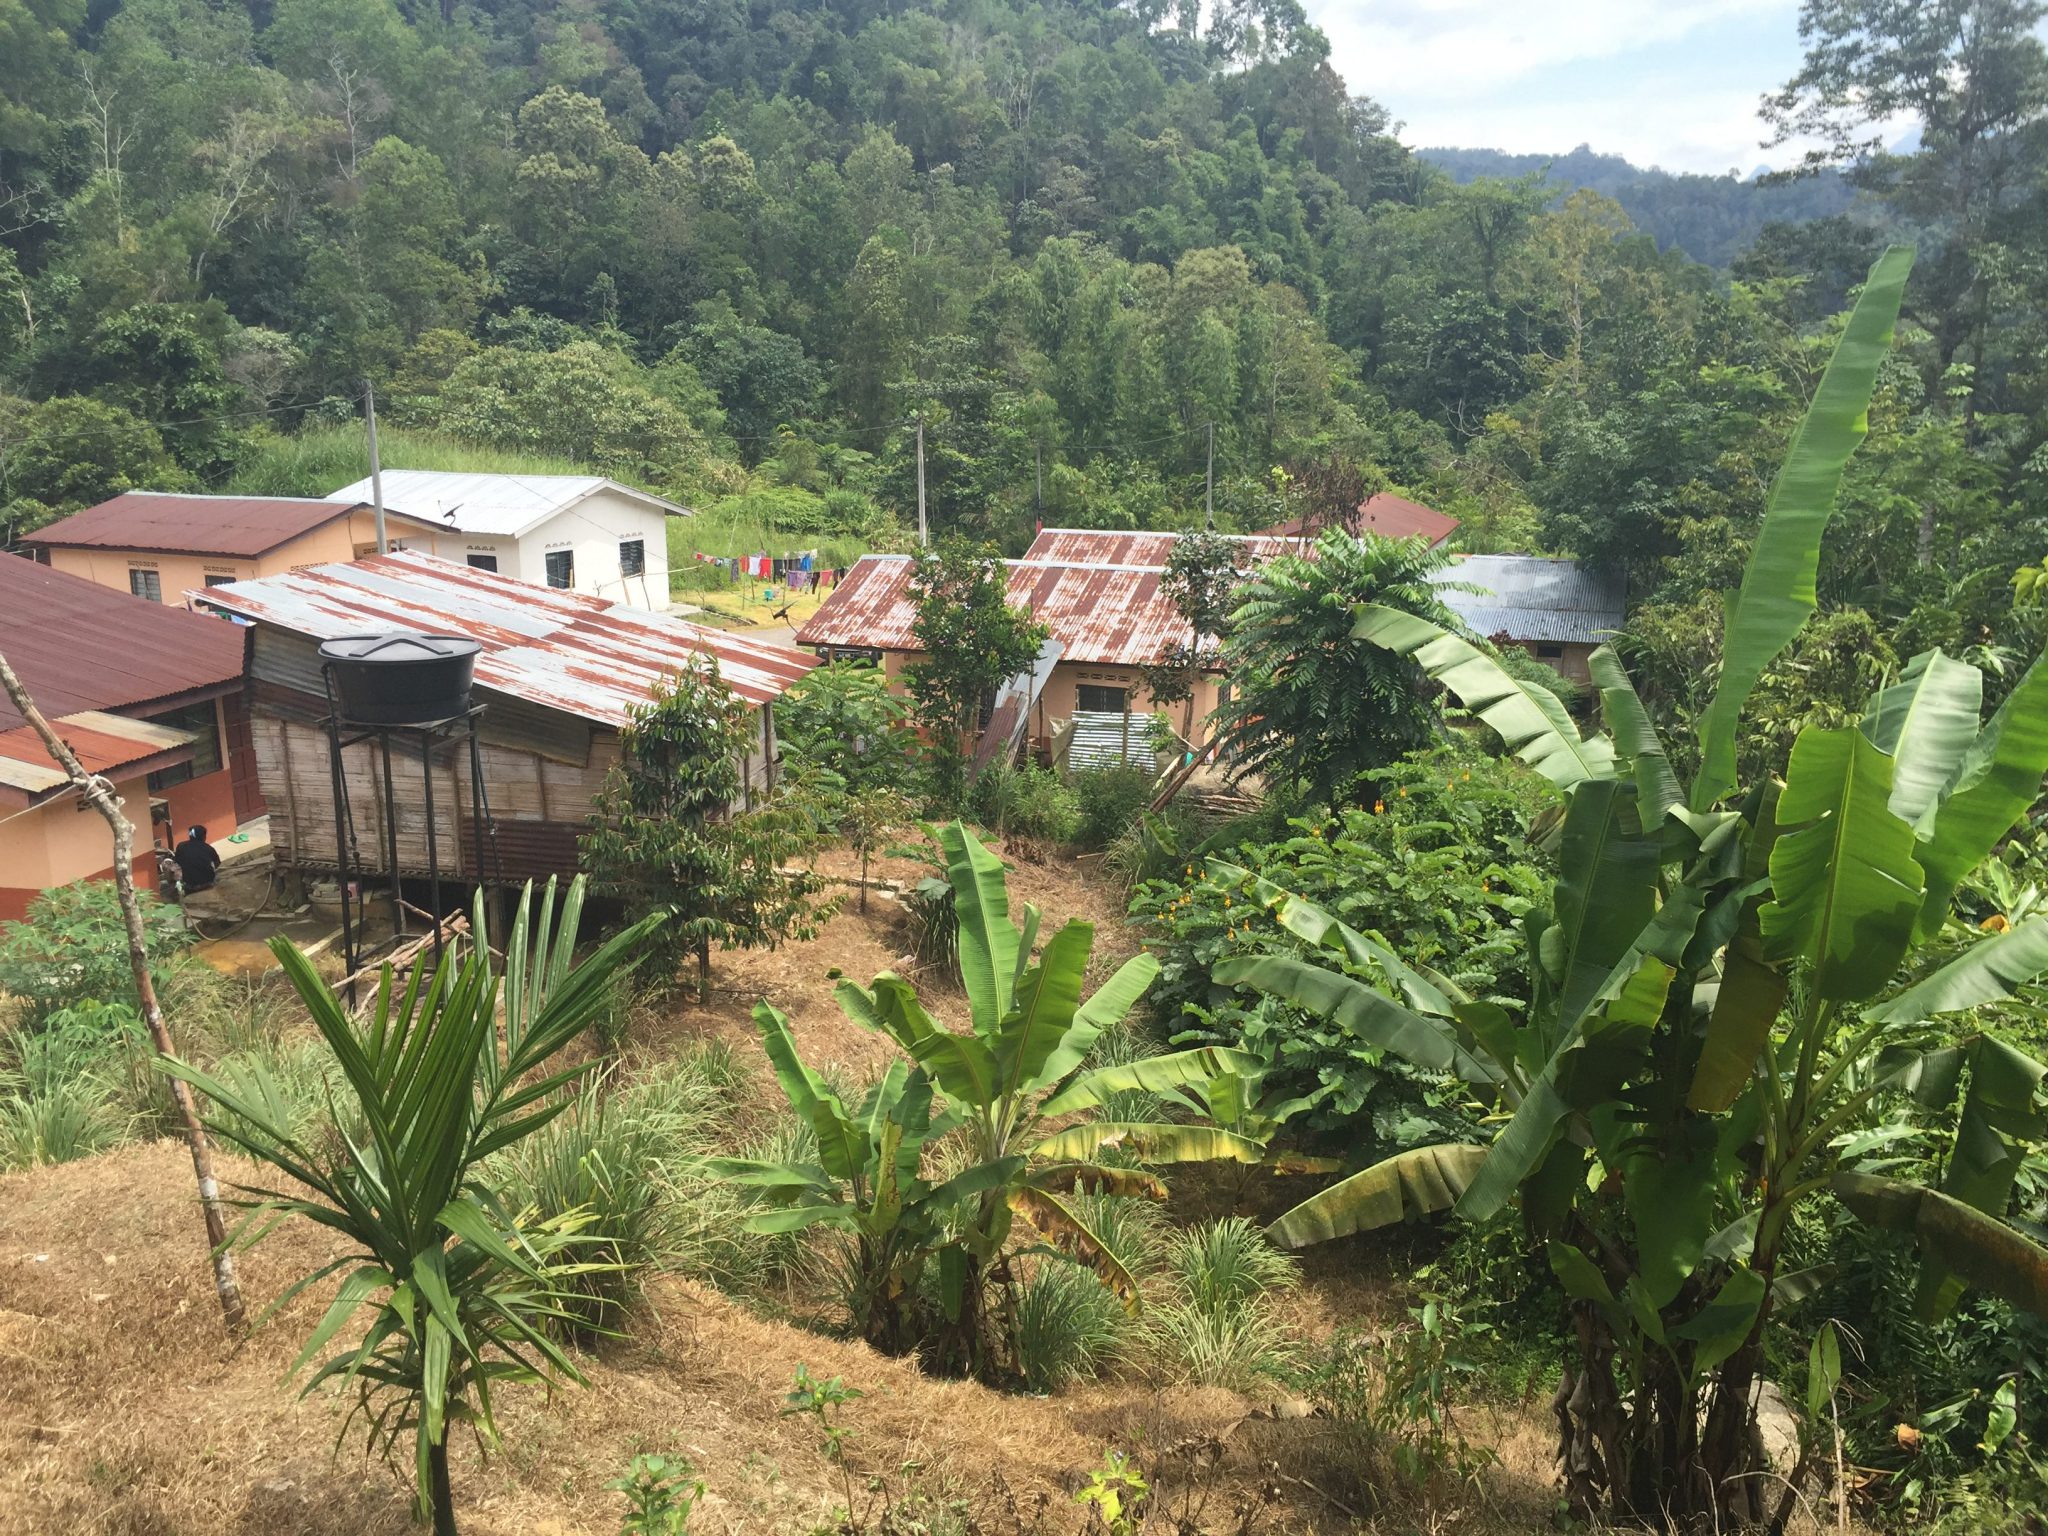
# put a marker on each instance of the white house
(582, 533)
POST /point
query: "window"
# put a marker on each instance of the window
(632, 557)
(199, 720)
(490, 563)
(1550, 652)
(146, 584)
(561, 564)
(220, 578)
(1096, 697)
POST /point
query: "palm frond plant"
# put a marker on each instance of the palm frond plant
(463, 1294)
(1727, 981)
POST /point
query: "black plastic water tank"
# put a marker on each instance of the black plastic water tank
(401, 677)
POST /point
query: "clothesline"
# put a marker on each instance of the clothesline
(802, 572)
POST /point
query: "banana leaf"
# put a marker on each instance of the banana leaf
(1983, 1250)
(1635, 738)
(1066, 1231)
(1986, 972)
(1777, 593)
(2000, 777)
(1999, 1122)
(1369, 1015)
(1418, 1182)
(1155, 1143)
(1925, 722)
(1845, 883)
(1149, 1074)
(1424, 988)
(988, 939)
(1526, 716)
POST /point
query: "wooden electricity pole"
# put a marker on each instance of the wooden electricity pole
(99, 794)
(376, 467)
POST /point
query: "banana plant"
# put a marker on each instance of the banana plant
(1010, 1084)
(1727, 983)
(463, 1294)
(867, 1181)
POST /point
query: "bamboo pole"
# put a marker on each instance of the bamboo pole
(99, 794)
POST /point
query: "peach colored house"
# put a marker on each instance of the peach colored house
(160, 545)
(147, 695)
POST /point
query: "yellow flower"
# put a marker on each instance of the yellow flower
(1404, 791)
(1226, 901)
(1379, 807)
(1995, 923)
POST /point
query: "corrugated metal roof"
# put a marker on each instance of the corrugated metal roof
(233, 527)
(101, 742)
(504, 505)
(1528, 597)
(1383, 513)
(78, 645)
(560, 650)
(1121, 546)
(1103, 615)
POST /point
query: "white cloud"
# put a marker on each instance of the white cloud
(1674, 84)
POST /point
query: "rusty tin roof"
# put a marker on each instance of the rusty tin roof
(232, 527)
(1102, 614)
(101, 742)
(80, 646)
(1120, 546)
(561, 650)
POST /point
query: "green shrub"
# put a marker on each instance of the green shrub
(58, 1122)
(1441, 863)
(707, 1239)
(1028, 802)
(1111, 800)
(1069, 1325)
(1212, 1322)
(72, 947)
(605, 1155)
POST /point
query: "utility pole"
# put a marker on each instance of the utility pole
(923, 534)
(376, 468)
(1038, 485)
(1208, 480)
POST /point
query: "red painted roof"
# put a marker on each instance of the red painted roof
(1106, 615)
(567, 651)
(78, 645)
(1383, 513)
(232, 527)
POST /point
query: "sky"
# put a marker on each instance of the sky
(1671, 83)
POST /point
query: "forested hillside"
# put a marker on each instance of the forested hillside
(1713, 219)
(733, 252)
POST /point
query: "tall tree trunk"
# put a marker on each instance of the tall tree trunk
(703, 970)
(99, 794)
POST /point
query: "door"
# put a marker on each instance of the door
(248, 789)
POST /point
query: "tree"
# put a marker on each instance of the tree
(463, 1292)
(586, 402)
(1664, 1155)
(1201, 581)
(761, 377)
(973, 642)
(1311, 704)
(673, 830)
(63, 454)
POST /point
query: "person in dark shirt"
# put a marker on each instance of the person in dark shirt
(197, 861)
